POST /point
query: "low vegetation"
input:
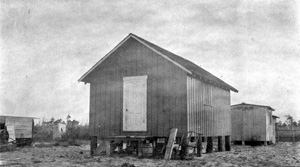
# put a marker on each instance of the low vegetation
(74, 131)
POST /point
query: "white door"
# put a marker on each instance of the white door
(135, 103)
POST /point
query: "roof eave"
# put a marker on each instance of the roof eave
(123, 41)
(227, 87)
(81, 79)
(268, 107)
(161, 54)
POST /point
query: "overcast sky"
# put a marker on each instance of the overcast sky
(47, 46)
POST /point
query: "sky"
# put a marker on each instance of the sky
(46, 46)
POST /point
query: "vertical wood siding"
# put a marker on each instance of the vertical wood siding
(166, 92)
(251, 122)
(208, 108)
(22, 125)
(270, 126)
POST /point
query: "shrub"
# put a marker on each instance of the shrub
(76, 133)
(42, 133)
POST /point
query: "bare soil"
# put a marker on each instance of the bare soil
(282, 154)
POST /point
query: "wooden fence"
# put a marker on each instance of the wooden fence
(284, 134)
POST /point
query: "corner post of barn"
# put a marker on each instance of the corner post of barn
(93, 145)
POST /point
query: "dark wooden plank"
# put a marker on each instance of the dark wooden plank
(94, 108)
(154, 95)
(183, 107)
(118, 101)
(107, 107)
(113, 111)
(91, 117)
(100, 109)
(101, 104)
(122, 74)
(178, 109)
(166, 104)
(172, 96)
(97, 114)
(160, 94)
(149, 72)
(202, 109)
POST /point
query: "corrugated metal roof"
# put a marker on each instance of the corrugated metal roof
(246, 104)
(5, 116)
(196, 71)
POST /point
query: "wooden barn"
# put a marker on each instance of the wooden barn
(141, 89)
(252, 122)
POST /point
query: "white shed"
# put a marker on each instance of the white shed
(252, 122)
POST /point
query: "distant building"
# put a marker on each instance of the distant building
(250, 122)
(19, 128)
(58, 130)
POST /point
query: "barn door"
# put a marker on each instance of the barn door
(135, 103)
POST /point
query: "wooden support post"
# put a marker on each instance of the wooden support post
(276, 133)
(108, 149)
(243, 142)
(199, 146)
(210, 146)
(292, 130)
(220, 144)
(139, 150)
(265, 143)
(227, 143)
(93, 145)
(184, 152)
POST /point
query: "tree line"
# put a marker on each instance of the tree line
(288, 122)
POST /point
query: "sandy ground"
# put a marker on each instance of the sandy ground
(282, 154)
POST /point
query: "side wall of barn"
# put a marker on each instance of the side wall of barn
(208, 108)
(166, 92)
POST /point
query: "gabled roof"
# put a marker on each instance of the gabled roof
(3, 117)
(245, 104)
(184, 64)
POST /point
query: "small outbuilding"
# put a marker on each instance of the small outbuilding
(253, 123)
(141, 89)
(19, 128)
(58, 130)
